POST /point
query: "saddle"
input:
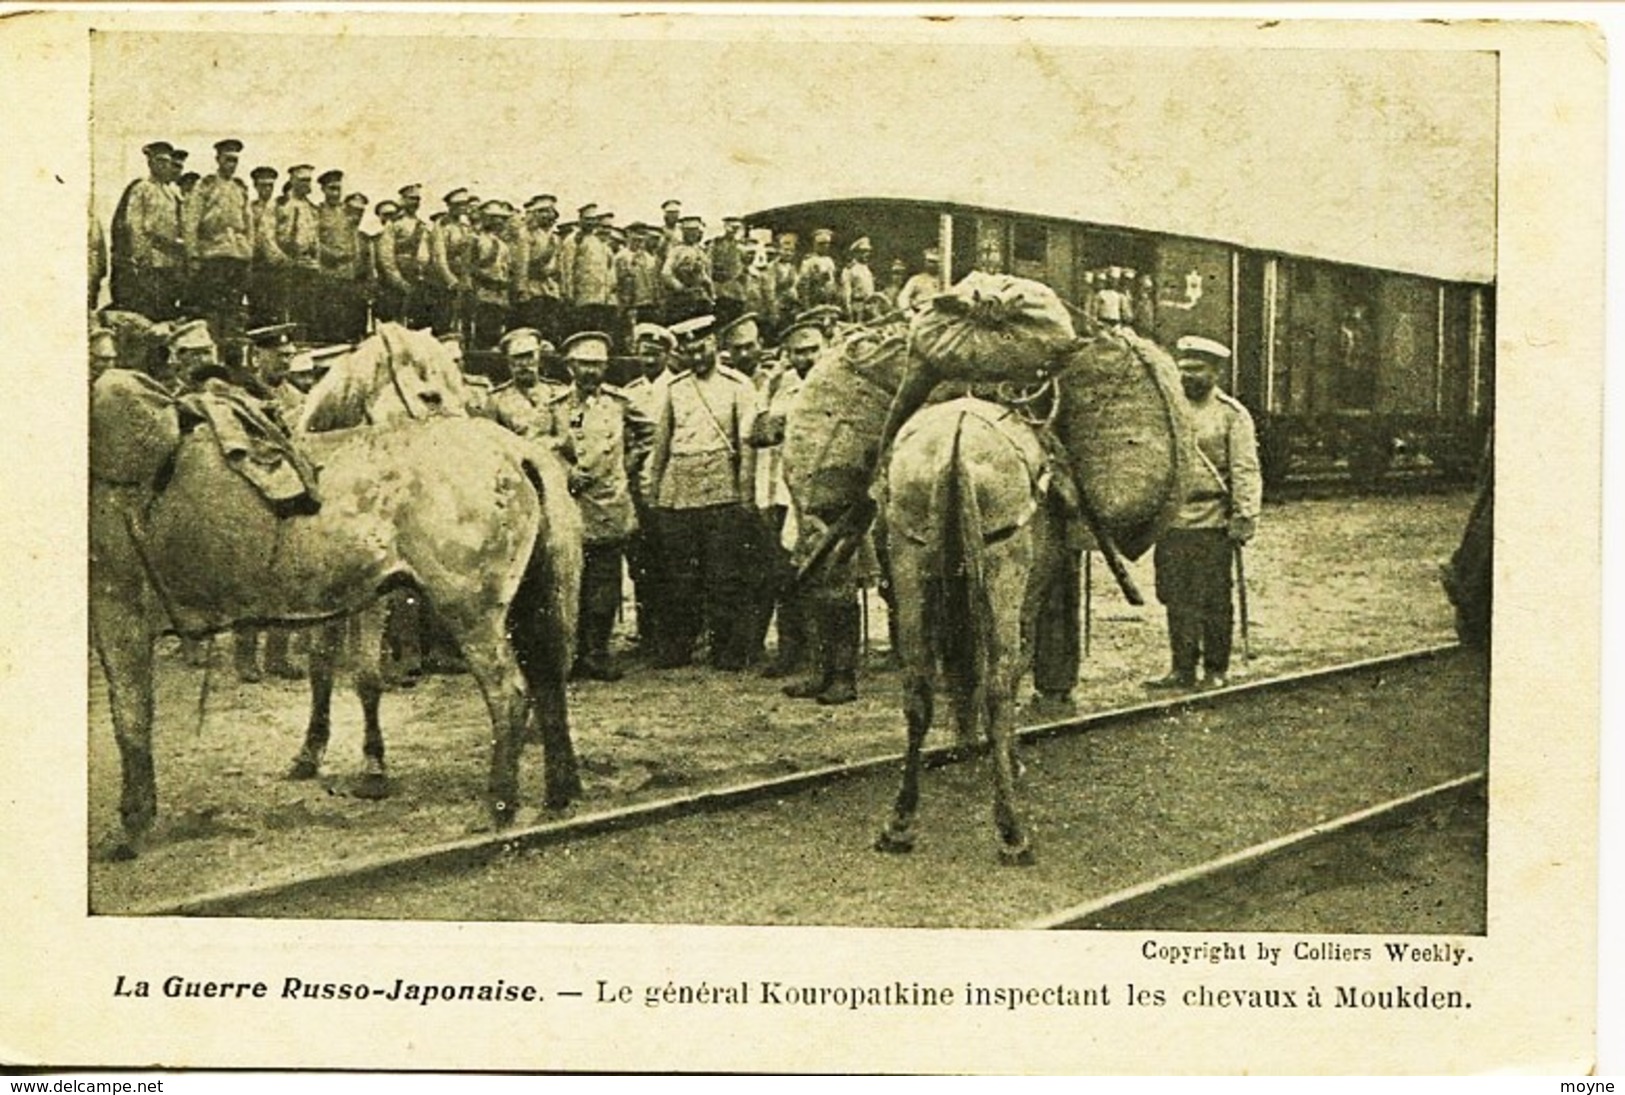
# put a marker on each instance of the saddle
(256, 447)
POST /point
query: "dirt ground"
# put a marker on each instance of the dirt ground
(1329, 581)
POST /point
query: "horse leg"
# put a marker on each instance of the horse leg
(1006, 583)
(915, 649)
(326, 641)
(124, 645)
(541, 645)
(367, 632)
(898, 835)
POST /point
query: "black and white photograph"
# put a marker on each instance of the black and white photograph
(692, 513)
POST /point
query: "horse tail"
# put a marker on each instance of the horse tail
(965, 612)
(541, 619)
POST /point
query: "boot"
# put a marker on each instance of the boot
(821, 672)
(842, 656)
(791, 654)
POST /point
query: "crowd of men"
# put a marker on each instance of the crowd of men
(185, 244)
(678, 472)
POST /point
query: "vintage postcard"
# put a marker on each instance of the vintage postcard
(802, 541)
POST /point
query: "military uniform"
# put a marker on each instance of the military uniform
(338, 249)
(267, 264)
(403, 261)
(590, 282)
(492, 274)
(609, 437)
(700, 477)
(536, 291)
(451, 254)
(298, 235)
(857, 282)
(1195, 557)
(728, 278)
(220, 239)
(528, 412)
(686, 279)
(149, 251)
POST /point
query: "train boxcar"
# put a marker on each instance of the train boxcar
(1364, 375)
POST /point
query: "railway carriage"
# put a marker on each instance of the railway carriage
(1375, 376)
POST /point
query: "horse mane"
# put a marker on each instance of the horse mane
(342, 399)
(339, 399)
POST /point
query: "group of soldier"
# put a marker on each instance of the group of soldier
(679, 472)
(184, 244)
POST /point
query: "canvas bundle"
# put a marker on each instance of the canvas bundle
(992, 327)
(134, 427)
(832, 437)
(1123, 424)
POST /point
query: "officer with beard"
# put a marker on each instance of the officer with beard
(1194, 558)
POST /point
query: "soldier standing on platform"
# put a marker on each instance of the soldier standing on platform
(220, 241)
(149, 248)
(1195, 558)
(857, 280)
(337, 251)
(403, 259)
(686, 276)
(451, 253)
(637, 280)
(701, 473)
(817, 280)
(671, 231)
(267, 271)
(298, 235)
(609, 437)
(590, 274)
(535, 260)
(492, 274)
(728, 270)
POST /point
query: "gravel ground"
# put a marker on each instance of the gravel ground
(1330, 581)
(1108, 809)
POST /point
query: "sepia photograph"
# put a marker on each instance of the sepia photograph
(641, 502)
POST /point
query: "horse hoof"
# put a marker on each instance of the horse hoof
(121, 851)
(303, 768)
(895, 845)
(1017, 857)
(372, 786)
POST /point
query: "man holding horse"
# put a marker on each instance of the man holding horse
(1195, 557)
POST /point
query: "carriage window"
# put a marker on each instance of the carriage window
(1031, 243)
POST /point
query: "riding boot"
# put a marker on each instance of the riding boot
(821, 672)
(245, 643)
(842, 656)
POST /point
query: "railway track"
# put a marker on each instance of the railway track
(445, 864)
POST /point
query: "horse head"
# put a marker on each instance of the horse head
(394, 375)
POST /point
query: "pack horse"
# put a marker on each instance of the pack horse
(181, 542)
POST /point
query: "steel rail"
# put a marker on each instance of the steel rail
(1163, 886)
(472, 850)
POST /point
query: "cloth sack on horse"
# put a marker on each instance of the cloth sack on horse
(256, 448)
(992, 327)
